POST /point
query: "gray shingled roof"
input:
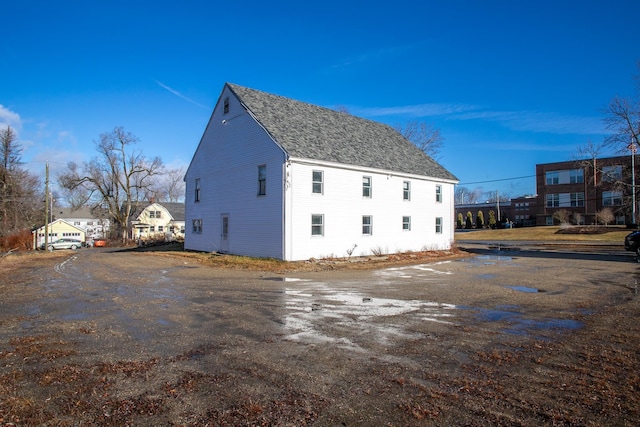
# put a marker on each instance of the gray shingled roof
(309, 131)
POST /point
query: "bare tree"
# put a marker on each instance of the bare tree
(424, 135)
(116, 179)
(605, 216)
(622, 119)
(20, 195)
(169, 186)
(562, 215)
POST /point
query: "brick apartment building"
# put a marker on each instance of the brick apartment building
(584, 188)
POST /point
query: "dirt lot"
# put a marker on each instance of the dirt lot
(529, 338)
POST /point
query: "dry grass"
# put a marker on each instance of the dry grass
(612, 234)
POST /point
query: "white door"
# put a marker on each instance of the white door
(224, 233)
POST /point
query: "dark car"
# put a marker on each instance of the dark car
(632, 242)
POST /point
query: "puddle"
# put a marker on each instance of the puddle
(525, 289)
(488, 259)
(284, 279)
(518, 325)
(326, 317)
(429, 271)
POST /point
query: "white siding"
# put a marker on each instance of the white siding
(226, 162)
(343, 207)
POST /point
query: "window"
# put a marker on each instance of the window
(577, 200)
(172, 229)
(76, 222)
(366, 186)
(152, 229)
(406, 223)
(262, 180)
(161, 229)
(225, 227)
(318, 182)
(552, 178)
(182, 229)
(576, 176)
(367, 224)
(611, 173)
(196, 226)
(406, 190)
(197, 193)
(570, 176)
(317, 225)
(612, 198)
(89, 222)
(439, 225)
(553, 200)
(155, 214)
(439, 193)
(226, 105)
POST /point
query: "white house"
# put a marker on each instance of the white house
(275, 177)
(158, 221)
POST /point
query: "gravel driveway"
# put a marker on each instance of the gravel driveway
(99, 337)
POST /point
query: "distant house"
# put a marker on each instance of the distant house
(275, 177)
(57, 230)
(158, 221)
(94, 222)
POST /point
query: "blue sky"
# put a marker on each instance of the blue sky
(508, 83)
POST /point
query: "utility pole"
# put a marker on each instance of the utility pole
(46, 207)
(632, 147)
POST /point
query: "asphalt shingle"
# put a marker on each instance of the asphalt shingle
(308, 131)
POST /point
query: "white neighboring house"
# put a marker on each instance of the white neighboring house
(94, 224)
(274, 177)
(158, 221)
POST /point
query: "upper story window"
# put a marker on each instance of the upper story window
(225, 104)
(576, 176)
(439, 193)
(406, 190)
(611, 173)
(317, 182)
(569, 176)
(366, 186)
(155, 214)
(262, 180)
(553, 200)
(196, 197)
(367, 224)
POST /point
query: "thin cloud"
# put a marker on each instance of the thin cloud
(179, 95)
(373, 55)
(419, 110)
(9, 118)
(524, 121)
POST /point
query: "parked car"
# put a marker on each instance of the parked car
(64, 243)
(632, 242)
(99, 243)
